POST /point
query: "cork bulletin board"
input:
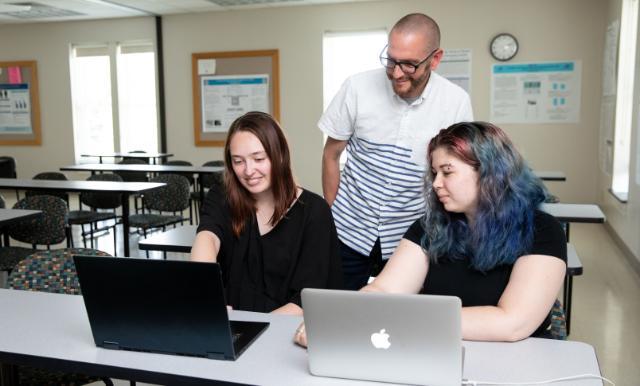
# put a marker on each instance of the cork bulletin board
(19, 104)
(229, 84)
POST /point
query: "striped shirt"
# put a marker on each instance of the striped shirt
(381, 186)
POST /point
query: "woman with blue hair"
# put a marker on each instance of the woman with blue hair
(482, 238)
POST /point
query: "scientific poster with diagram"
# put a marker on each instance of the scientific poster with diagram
(15, 109)
(545, 92)
(226, 97)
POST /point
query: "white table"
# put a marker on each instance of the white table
(52, 331)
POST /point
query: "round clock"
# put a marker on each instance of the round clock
(503, 47)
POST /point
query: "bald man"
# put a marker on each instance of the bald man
(385, 119)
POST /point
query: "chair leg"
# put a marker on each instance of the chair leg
(84, 239)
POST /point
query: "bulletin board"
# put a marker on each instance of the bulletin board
(229, 84)
(19, 104)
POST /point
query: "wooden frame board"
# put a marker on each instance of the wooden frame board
(263, 63)
(19, 103)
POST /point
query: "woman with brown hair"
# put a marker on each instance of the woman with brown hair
(271, 237)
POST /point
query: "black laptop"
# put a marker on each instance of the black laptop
(161, 306)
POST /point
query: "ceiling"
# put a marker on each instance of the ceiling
(20, 11)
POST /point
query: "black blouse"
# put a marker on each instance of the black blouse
(475, 288)
(264, 272)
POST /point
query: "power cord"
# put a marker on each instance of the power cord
(470, 382)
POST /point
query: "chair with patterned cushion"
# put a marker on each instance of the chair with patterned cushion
(558, 327)
(48, 229)
(56, 176)
(172, 198)
(207, 182)
(51, 271)
(102, 208)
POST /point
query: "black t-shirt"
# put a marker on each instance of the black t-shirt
(476, 288)
(264, 272)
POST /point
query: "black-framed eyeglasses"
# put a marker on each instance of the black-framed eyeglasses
(406, 67)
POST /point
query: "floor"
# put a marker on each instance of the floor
(606, 309)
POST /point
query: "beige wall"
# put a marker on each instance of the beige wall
(547, 30)
(624, 218)
(48, 44)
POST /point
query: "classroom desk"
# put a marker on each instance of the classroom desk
(149, 156)
(549, 175)
(124, 188)
(195, 170)
(179, 239)
(8, 216)
(52, 331)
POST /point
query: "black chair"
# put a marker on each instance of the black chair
(133, 177)
(55, 272)
(207, 182)
(97, 201)
(188, 176)
(56, 176)
(8, 170)
(172, 198)
(49, 229)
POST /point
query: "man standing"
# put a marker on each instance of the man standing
(385, 119)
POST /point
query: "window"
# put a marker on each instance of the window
(624, 100)
(345, 54)
(113, 90)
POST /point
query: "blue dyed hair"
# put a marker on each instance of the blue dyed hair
(509, 193)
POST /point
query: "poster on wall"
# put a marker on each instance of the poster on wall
(15, 109)
(544, 92)
(226, 97)
(456, 67)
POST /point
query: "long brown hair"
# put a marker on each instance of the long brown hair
(283, 186)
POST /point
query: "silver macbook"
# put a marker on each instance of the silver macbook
(413, 339)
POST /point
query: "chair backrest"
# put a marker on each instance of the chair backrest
(7, 167)
(50, 271)
(100, 200)
(215, 180)
(48, 229)
(145, 160)
(173, 197)
(133, 176)
(57, 176)
(188, 176)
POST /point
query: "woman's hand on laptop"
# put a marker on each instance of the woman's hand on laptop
(300, 337)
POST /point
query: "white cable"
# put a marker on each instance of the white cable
(570, 378)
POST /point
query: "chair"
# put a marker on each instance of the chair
(8, 170)
(51, 271)
(188, 176)
(133, 176)
(173, 198)
(558, 327)
(208, 181)
(57, 176)
(96, 201)
(48, 229)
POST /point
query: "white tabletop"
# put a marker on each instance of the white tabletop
(589, 213)
(51, 326)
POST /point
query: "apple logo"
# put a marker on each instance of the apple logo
(380, 339)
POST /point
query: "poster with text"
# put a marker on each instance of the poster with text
(15, 109)
(547, 92)
(226, 97)
(456, 67)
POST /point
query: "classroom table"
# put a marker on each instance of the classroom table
(52, 331)
(550, 175)
(198, 171)
(116, 154)
(179, 239)
(9, 216)
(124, 188)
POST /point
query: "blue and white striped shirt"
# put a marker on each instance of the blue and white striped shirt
(381, 187)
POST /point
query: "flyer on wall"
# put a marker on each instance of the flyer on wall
(545, 92)
(15, 109)
(226, 97)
